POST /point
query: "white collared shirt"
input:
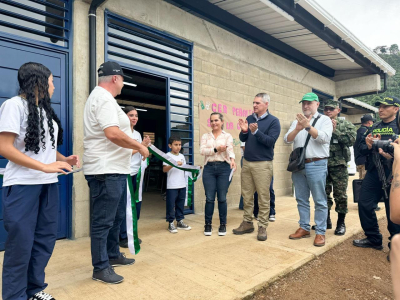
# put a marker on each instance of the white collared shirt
(316, 148)
(101, 156)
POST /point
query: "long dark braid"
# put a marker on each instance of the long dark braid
(33, 77)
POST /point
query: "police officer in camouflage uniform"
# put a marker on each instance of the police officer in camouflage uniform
(343, 136)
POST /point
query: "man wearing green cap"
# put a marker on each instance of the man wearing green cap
(313, 177)
(343, 136)
(371, 189)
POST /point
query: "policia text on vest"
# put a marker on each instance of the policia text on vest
(371, 188)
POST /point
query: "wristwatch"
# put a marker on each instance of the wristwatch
(308, 128)
(215, 150)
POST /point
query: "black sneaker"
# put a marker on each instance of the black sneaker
(42, 296)
(107, 276)
(121, 261)
(222, 229)
(181, 225)
(207, 229)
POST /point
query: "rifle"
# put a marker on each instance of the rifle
(381, 174)
(378, 163)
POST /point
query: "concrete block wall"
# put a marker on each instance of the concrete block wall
(222, 77)
(225, 67)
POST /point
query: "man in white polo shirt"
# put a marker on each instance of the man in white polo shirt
(107, 155)
(318, 129)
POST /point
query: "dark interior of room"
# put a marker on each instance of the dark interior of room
(149, 97)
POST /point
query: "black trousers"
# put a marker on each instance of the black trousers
(371, 193)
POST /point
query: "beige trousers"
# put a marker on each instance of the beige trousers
(361, 171)
(256, 176)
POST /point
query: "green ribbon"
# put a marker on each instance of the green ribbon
(193, 170)
(134, 216)
(190, 192)
(138, 182)
(138, 177)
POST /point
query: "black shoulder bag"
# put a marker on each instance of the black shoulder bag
(298, 155)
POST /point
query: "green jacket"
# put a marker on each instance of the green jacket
(343, 137)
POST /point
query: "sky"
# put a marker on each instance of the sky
(374, 22)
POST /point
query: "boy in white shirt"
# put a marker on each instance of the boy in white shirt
(176, 187)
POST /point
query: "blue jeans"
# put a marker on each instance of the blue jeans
(30, 219)
(108, 194)
(122, 230)
(216, 181)
(312, 179)
(175, 204)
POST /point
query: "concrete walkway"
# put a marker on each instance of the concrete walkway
(189, 265)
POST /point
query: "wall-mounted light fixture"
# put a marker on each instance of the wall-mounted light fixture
(130, 84)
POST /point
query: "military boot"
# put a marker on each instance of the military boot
(340, 226)
(328, 221)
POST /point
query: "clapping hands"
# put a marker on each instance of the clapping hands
(244, 126)
(302, 121)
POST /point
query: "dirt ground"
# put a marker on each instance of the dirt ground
(344, 272)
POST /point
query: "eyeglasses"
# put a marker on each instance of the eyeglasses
(329, 108)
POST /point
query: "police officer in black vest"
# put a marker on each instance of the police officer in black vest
(371, 189)
(366, 122)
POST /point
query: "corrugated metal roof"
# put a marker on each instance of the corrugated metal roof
(258, 14)
(362, 104)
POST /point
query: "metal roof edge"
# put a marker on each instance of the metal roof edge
(328, 20)
(362, 104)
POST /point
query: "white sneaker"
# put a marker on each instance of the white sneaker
(272, 218)
(172, 228)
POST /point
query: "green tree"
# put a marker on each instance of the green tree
(393, 82)
(394, 49)
(383, 49)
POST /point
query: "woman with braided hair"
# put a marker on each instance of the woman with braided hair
(30, 132)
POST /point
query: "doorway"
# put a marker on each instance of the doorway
(148, 94)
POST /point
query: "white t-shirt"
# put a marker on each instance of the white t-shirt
(242, 144)
(14, 118)
(136, 159)
(101, 156)
(176, 178)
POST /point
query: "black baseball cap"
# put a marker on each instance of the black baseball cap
(389, 100)
(110, 68)
(366, 118)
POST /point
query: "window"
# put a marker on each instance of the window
(46, 20)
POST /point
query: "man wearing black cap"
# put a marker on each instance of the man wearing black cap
(371, 189)
(366, 122)
(107, 155)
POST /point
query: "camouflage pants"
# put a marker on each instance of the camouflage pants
(337, 178)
